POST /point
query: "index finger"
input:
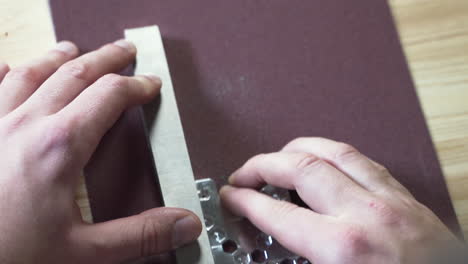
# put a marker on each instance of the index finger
(300, 230)
(97, 108)
(320, 185)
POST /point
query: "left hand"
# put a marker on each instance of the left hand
(53, 113)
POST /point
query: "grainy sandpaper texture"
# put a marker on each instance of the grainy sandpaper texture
(251, 75)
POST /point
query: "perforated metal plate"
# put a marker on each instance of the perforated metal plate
(235, 240)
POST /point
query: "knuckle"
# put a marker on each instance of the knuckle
(57, 54)
(253, 162)
(345, 153)
(113, 48)
(353, 242)
(149, 242)
(12, 123)
(262, 157)
(383, 171)
(57, 136)
(284, 211)
(76, 69)
(24, 73)
(385, 213)
(285, 208)
(298, 141)
(116, 85)
(116, 49)
(308, 162)
(114, 81)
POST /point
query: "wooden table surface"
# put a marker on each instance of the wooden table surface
(434, 34)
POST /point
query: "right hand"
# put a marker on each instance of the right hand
(360, 213)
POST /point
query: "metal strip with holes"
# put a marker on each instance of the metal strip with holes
(235, 240)
(171, 155)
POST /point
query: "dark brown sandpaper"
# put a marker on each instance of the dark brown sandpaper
(249, 76)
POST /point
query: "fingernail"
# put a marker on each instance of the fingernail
(224, 189)
(153, 78)
(67, 47)
(231, 180)
(130, 47)
(185, 231)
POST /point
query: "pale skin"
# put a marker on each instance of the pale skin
(54, 112)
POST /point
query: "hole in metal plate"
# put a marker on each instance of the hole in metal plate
(229, 246)
(264, 240)
(242, 257)
(302, 260)
(233, 239)
(218, 234)
(259, 256)
(288, 261)
(204, 194)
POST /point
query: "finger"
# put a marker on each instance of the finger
(95, 110)
(4, 69)
(20, 83)
(73, 77)
(369, 174)
(153, 232)
(320, 185)
(286, 222)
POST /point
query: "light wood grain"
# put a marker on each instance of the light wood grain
(25, 34)
(434, 34)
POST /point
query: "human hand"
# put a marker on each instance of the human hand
(53, 113)
(361, 214)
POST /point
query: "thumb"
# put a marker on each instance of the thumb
(152, 232)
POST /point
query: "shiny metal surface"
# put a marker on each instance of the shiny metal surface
(235, 240)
